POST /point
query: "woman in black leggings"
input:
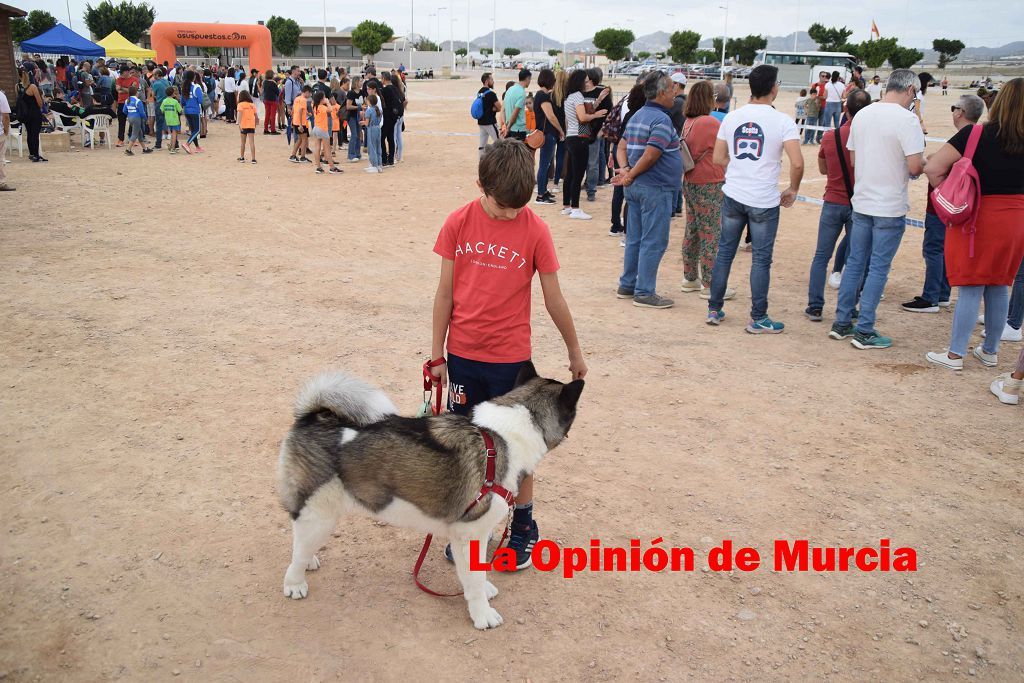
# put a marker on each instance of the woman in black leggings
(33, 120)
(579, 127)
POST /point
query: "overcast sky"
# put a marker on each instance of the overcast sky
(915, 22)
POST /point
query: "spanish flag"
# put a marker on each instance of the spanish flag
(874, 30)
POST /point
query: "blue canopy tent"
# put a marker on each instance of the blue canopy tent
(60, 40)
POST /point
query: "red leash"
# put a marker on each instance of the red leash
(489, 487)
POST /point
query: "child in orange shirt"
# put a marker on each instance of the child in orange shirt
(322, 133)
(248, 119)
(300, 123)
(338, 124)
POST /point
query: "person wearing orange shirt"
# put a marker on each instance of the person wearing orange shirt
(300, 125)
(248, 119)
(321, 132)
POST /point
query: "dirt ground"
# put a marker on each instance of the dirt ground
(160, 313)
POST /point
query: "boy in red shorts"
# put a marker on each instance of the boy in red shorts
(490, 249)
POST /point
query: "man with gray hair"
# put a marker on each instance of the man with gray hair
(887, 150)
(721, 101)
(650, 166)
(967, 110)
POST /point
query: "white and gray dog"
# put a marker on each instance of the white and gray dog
(349, 452)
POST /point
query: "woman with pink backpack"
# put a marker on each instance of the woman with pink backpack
(979, 193)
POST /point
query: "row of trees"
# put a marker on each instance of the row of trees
(875, 53)
(132, 20)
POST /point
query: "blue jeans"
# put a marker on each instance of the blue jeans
(834, 218)
(160, 125)
(353, 137)
(965, 317)
(547, 155)
(874, 241)
(808, 133)
(373, 145)
(650, 214)
(830, 117)
(936, 286)
(593, 163)
(764, 223)
(841, 251)
(399, 146)
(1016, 315)
(559, 161)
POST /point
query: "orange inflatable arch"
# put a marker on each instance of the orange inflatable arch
(168, 35)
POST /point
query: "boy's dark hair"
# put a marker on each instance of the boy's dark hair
(546, 78)
(524, 74)
(321, 74)
(803, 92)
(506, 173)
(762, 79)
(133, 91)
(171, 91)
(307, 88)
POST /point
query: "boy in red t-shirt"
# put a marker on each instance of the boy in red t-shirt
(490, 249)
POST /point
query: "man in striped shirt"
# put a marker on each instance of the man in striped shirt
(650, 168)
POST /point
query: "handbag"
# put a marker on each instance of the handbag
(684, 152)
(958, 198)
(535, 140)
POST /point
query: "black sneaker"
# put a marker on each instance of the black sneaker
(615, 230)
(521, 540)
(544, 199)
(840, 331)
(294, 159)
(919, 305)
(813, 314)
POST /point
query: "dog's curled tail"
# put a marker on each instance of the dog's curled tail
(348, 397)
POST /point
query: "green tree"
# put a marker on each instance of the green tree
(553, 52)
(705, 56)
(716, 47)
(643, 55)
(462, 52)
(829, 39)
(948, 50)
(284, 34)
(875, 52)
(511, 51)
(426, 45)
(210, 51)
(614, 42)
(129, 19)
(369, 36)
(682, 45)
(905, 57)
(746, 48)
(485, 51)
(34, 24)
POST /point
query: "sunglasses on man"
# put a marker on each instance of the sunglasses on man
(953, 109)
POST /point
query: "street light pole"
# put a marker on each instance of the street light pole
(725, 33)
(796, 34)
(494, 32)
(439, 27)
(325, 34)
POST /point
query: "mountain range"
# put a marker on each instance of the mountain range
(528, 40)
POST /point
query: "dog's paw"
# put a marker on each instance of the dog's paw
(490, 590)
(486, 617)
(296, 591)
(313, 564)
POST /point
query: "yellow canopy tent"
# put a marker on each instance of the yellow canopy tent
(119, 47)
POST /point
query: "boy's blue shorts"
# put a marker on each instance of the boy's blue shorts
(177, 127)
(471, 382)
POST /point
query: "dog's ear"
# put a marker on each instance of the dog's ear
(570, 394)
(526, 373)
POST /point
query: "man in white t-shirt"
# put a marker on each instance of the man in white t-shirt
(750, 143)
(887, 146)
(5, 131)
(874, 89)
(230, 86)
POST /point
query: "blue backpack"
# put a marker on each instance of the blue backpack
(476, 110)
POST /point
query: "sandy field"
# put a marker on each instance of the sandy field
(160, 313)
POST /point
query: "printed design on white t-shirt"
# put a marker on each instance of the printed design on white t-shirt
(748, 141)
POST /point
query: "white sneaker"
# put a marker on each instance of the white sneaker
(981, 319)
(580, 215)
(1009, 334)
(729, 293)
(622, 243)
(691, 286)
(566, 211)
(370, 169)
(944, 360)
(989, 360)
(354, 161)
(1007, 389)
(835, 279)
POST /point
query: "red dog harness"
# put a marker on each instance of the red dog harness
(489, 487)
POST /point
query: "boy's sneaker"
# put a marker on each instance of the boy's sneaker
(580, 215)
(129, 153)
(319, 170)
(241, 160)
(813, 314)
(840, 331)
(624, 293)
(653, 301)
(613, 231)
(765, 326)
(691, 286)
(715, 317)
(294, 159)
(147, 150)
(333, 169)
(544, 199)
(522, 540)
(305, 160)
(919, 305)
(870, 340)
(989, 360)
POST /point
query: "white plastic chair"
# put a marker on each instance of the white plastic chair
(100, 124)
(66, 124)
(16, 134)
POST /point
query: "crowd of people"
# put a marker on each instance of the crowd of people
(660, 147)
(319, 110)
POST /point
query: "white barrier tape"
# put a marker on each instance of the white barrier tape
(826, 128)
(912, 222)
